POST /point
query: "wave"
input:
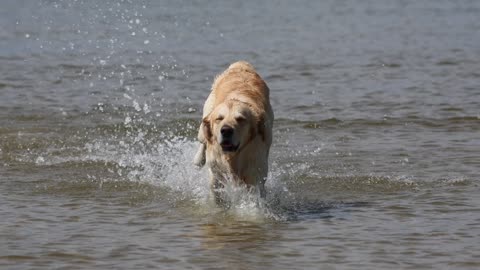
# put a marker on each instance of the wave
(472, 121)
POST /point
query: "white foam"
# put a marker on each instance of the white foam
(169, 165)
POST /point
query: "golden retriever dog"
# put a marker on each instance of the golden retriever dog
(236, 130)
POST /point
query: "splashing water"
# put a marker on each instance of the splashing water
(169, 165)
(374, 161)
(166, 163)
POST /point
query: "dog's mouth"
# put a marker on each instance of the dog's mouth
(229, 147)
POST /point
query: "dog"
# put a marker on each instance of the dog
(236, 130)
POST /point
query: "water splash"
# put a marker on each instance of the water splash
(168, 164)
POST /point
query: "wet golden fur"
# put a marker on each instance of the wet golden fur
(239, 99)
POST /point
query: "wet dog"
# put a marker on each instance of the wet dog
(236, 130)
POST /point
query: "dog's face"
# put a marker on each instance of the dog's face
(231, 125)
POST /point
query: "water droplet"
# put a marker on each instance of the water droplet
(39, 160)
(146, 42)
(146, 108)
(136, 106)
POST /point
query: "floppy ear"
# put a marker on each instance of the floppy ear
(207, 129)
(261, 127)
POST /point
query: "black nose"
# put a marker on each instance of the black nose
(226, 131)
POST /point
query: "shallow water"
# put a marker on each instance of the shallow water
(374, 163)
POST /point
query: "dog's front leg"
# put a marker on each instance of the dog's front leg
(199, 159)
(261, 189)
(217, 189)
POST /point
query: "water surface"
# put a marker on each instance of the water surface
(375, 161)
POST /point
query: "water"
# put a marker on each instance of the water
(375, 161)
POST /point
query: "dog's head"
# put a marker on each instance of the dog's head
(232, 125)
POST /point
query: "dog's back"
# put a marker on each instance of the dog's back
(240, 82)
(243, 65)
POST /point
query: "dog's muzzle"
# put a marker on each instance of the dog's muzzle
(226, 141)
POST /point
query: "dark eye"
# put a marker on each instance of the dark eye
(219, 118)
(240, 119)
